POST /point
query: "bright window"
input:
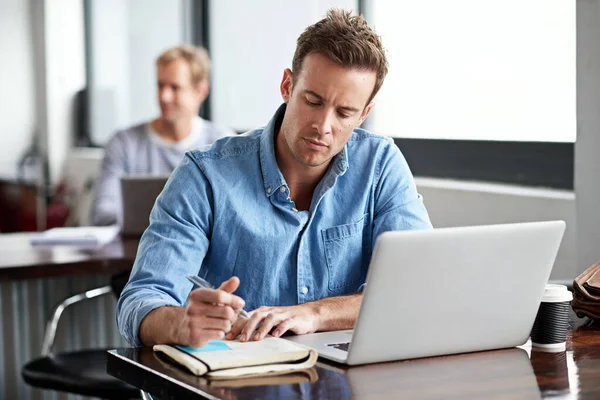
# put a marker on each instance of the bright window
(477, 69)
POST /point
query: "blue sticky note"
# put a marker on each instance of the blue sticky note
(213, 345)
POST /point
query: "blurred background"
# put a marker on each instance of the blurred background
(495, 104)
(481, 98)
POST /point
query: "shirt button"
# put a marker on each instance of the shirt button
(282, 189)
(304, 290)
(268, 190)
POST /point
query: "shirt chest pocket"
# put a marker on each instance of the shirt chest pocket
(345, 257)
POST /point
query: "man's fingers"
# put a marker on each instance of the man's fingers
(200, 337)
(250, 326)
(220, 324)
(231, 284)
(265, 327)
(217, 296)
(211, 313)
(204, 329)
(212, 310)
(283, 327)
(236, 329)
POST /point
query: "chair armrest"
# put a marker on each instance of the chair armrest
(52, 324)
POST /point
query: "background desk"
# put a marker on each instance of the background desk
(502, 374)
(20, 260)
(33, 280)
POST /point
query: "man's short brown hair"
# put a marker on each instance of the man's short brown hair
(196, 57)
(346, 40)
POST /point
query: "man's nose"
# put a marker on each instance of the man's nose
(165, 95)
(324, 123)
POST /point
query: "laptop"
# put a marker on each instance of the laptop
(138, 196)
(446, 291)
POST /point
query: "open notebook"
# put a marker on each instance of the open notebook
(234, 359)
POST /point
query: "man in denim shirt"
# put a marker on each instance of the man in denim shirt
(285, 216)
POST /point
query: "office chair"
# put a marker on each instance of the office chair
(80, 372)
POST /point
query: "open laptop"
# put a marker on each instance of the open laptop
(447, 291)
(139, 194)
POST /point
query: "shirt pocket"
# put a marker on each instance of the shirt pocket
(343, 246)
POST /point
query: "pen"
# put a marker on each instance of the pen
(196, 280)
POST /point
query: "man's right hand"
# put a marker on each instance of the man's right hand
(210, 314)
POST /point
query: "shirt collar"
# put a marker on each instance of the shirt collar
(272, 176)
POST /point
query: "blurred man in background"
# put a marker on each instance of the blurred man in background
(157, 146)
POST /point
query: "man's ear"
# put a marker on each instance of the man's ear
(365, 113)
(202, 88)
(286, 86)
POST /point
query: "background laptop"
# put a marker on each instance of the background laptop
(446, 291)
(139, 194)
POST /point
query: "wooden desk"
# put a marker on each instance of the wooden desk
(20, 260)
(517, 373)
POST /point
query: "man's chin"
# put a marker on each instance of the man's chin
(314, 162)
(170, 118)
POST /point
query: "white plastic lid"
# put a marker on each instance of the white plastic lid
(556, 294)
(549, 348)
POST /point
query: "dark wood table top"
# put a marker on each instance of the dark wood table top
(517, 373)
(20, 260)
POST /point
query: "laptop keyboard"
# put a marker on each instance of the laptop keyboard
(340, 346)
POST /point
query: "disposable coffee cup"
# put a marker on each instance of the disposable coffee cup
(552, 321)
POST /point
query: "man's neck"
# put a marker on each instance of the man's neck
(173, 131)
(301, 179)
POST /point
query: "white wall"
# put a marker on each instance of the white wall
(154, 26)
(108, 81)
(17, 90)
(126, 37)
(251, 43)
(43, 68)
(65, 76)
(456, 203)
(587, 147)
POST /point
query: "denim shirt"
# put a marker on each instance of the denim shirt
(226, 211)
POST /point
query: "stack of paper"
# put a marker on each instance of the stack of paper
(80, 236)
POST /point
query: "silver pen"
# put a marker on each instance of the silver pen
(202, 283)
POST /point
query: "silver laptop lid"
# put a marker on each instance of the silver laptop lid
(453, 290)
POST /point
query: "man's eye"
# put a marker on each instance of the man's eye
(312, 103)
(342, 115)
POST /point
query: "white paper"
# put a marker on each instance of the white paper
(82, 236)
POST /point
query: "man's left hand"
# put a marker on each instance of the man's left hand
(299, 319)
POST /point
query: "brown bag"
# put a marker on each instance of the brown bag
(586, 293)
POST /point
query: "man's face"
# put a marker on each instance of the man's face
(324, 105)
(178, 97)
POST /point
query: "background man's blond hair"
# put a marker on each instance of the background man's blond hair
(196, 57)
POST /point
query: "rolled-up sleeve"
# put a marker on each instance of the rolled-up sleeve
(173, 246)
